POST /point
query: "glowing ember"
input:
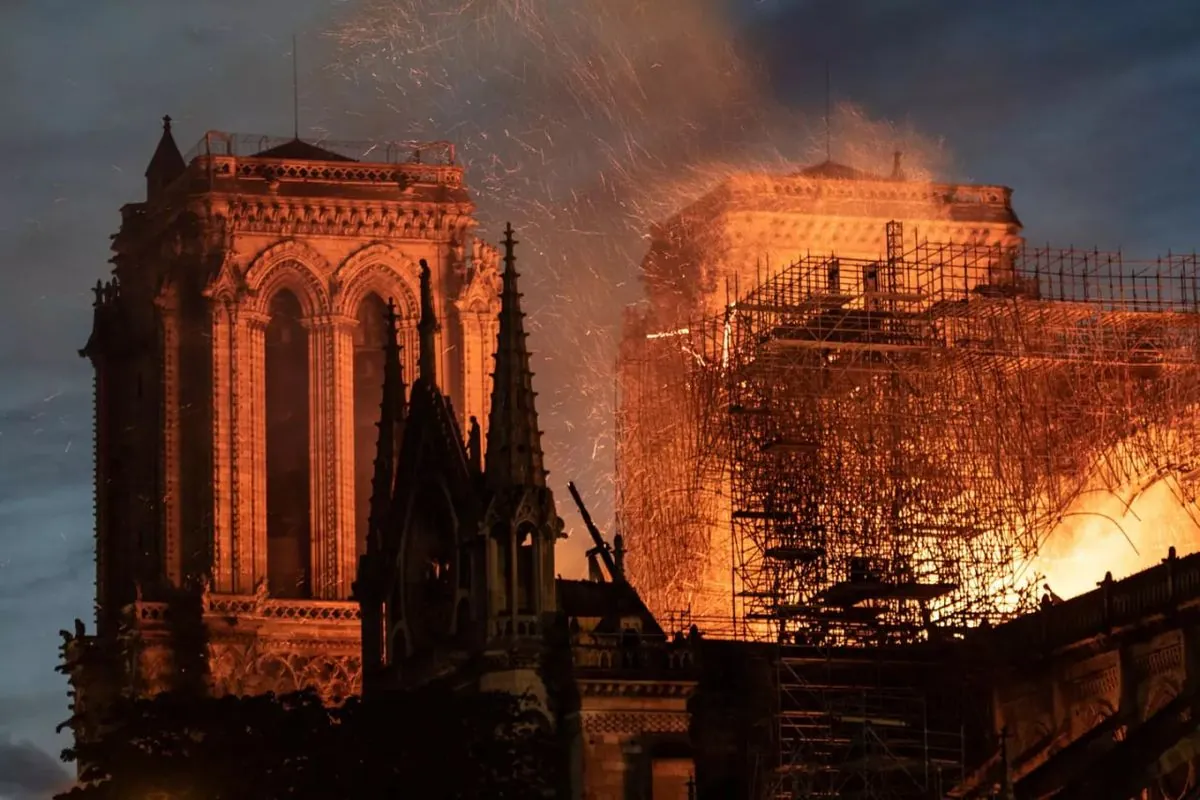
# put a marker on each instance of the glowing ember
(1121, 532)
(584, 123)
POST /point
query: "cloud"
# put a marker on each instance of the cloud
(29, 773)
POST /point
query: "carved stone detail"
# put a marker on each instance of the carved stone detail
(169, 441)
(249, 669)
(634, 722)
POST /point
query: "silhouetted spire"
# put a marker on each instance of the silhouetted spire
(427, 328)
(391, 424)
(619, 558)
(166, 164)
(514, 443)
(475, 447)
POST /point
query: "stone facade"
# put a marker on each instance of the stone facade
(701, 259)
(183, 343)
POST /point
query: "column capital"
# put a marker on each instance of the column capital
(329, 321)
(254, 318)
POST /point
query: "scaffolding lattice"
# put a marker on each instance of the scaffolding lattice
(891, 441)
(904, 432)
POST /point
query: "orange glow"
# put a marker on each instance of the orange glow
(1122, 532)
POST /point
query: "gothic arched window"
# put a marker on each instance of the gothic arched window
(369, 338)
(289, 536)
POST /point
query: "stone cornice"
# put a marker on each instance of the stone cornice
(634, 721)
(620, 687)
(388, 220)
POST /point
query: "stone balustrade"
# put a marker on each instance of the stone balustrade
(1165, 589)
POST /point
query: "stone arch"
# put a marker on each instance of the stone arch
(290, 264)
(381, 269)
(482, 294)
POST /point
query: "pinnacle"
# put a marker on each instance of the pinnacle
(514, 452)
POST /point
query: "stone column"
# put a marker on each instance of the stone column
(341, 331)
(323, 470)
(169, 454)
(223, 487)
(249, 434)
(480, 329)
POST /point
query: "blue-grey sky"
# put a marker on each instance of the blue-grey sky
(1087, 108)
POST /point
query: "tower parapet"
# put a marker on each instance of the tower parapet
(753, 223)
(237, 398)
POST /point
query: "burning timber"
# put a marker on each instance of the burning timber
(874, 451)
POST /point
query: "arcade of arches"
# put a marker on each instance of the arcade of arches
(293, 426)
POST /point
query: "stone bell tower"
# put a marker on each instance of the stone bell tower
(521, 520)
(238, 354)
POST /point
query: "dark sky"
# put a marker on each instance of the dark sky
(1088, 109)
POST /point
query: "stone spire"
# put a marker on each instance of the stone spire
(427, 327)
(391, 426)
(514, 443)
(369, 587)
(166, 164)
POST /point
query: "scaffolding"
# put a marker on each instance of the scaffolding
(903, 433)
(890, 441)
(867, 723)
(672, 458)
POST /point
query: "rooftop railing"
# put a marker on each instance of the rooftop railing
(220, 143)
(1155, 592)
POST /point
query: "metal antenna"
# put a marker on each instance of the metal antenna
(295, 92)
(828, 115)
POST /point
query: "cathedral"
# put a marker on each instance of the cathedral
(291, 346)
(318, 466)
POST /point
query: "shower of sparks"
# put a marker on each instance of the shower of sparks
(582, 122)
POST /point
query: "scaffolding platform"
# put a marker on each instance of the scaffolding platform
(851, 593)
(886, 441)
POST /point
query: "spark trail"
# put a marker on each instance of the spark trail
(582, 121)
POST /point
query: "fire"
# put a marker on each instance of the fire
(584, 126)
(1121, 532)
